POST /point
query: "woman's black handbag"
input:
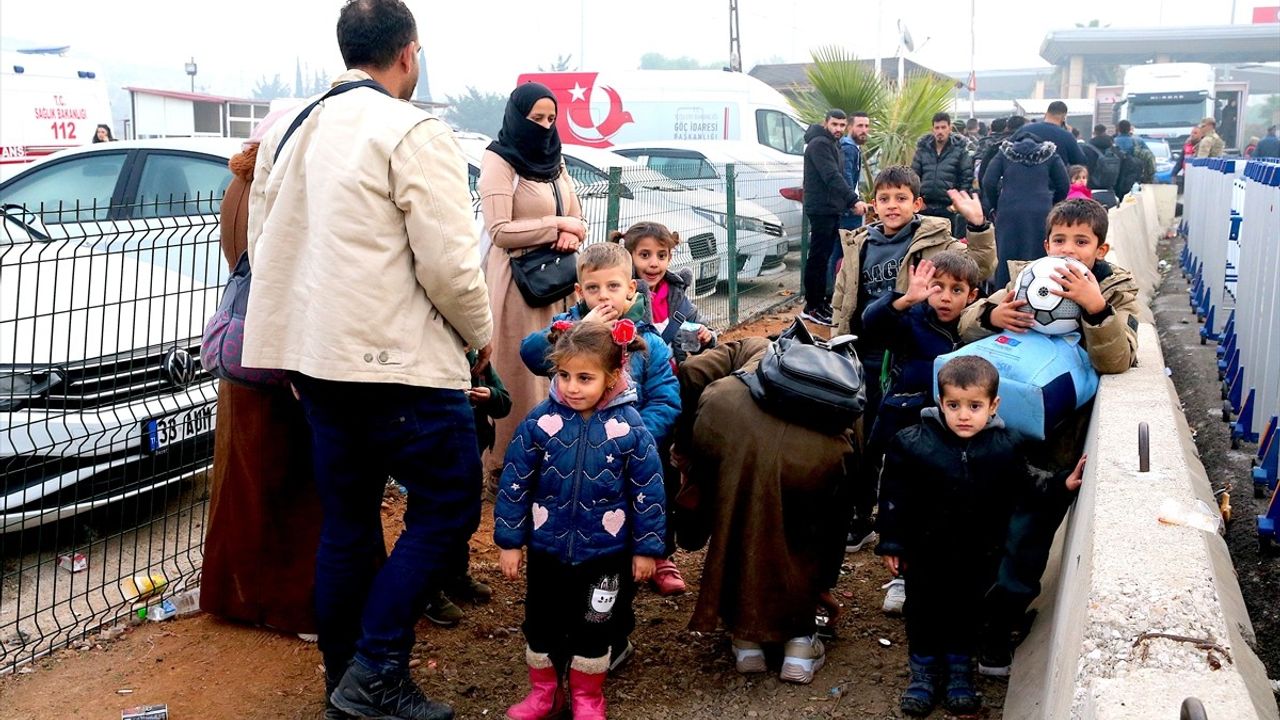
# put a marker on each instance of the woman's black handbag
(543, 274)
(812, 383)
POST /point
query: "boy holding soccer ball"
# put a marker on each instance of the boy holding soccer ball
(1108, 298)
(1107, 294)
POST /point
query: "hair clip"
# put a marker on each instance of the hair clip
(562, 326)
(624, 332)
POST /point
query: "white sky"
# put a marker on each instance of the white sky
(488, 43)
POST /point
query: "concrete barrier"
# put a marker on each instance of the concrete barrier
(1117, 574)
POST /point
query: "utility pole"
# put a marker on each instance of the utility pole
(735, 41)
(973, 70)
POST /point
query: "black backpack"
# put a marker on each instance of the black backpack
(809, 382)
(1110, 163)
(1130, 171)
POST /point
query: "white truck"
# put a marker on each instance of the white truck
(1166, 100)
(48, 102)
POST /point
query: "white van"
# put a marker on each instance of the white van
(47, 103)
(603, 109)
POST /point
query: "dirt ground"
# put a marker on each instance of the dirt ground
(1194, 368)
(204, 668)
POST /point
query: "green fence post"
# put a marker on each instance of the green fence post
(615, 192)
(731, 222)
(804, 243)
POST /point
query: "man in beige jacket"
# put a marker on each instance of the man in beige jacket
(367, 286)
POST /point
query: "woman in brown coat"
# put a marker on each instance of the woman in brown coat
(264, 514)
(528, 201)
(769, 498)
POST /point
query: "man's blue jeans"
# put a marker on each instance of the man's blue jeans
(364, 433)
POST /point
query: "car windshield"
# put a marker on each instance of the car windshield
(595, 180)
(1158, 147)
(1167, 114)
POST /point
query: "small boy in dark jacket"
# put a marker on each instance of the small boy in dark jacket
(919, 325)
(947, 492)
(489, 401)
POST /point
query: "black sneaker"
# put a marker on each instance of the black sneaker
(392, 695)
(995, 660)
(817, 316)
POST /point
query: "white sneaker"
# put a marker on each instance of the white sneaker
(748, 657)
(803, 657)
(896, 597)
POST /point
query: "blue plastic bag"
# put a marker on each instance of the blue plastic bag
(1043, 378)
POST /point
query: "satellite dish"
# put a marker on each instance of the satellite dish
(906, 40)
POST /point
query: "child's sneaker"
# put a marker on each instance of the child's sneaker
(995, 660)
(748, 657)
(896, 596)
(921, 694)
(861, 536)
(667, 578)
(802, 658)
(817, 316)
(443, 612)
(962, 697)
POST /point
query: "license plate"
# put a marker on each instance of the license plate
(159, 433)
(710, 268)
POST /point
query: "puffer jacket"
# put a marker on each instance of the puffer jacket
(932, 237)
(950, 170)
(1111, 337)
(579, 489)
(680, 310)
(826, 192)
(651, 371)
(943, 496)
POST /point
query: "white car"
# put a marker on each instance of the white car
(759, 178)
(702, 229)
(106, 278)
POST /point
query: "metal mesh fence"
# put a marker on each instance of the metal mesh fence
(106, 417)
(726, 215)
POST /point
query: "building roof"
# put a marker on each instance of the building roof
(785, 76)
(1134, 46)
(193, 97)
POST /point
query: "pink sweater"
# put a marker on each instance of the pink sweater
(1080, 191)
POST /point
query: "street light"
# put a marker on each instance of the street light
(191, 70)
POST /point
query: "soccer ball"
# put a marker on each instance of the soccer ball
(1054, 315)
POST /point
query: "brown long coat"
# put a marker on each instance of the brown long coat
(264, 514)
(772, 497)
(517, 220)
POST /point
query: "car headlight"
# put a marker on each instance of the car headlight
(742, 222)
(20, 387)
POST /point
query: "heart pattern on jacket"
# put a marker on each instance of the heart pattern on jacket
(540, 515)
(615, 428)
(614, 521)
(551, 424)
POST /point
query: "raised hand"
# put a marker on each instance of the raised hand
(968, 205)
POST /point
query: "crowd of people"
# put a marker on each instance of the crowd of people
(606, 418)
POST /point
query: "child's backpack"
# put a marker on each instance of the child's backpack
(1043, 378)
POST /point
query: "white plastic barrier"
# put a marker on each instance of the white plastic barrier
(1212, 211)
(1257, 325)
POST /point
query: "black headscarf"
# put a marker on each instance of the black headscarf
(534, 151)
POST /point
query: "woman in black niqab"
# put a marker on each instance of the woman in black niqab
(530, 148)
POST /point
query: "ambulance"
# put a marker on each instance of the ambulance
(48, 102)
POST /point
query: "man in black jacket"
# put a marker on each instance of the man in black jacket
(1053, 129)
(943, 162)
(826, 195)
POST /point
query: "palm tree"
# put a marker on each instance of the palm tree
(899, 116)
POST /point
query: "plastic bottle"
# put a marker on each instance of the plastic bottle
(186, 603)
